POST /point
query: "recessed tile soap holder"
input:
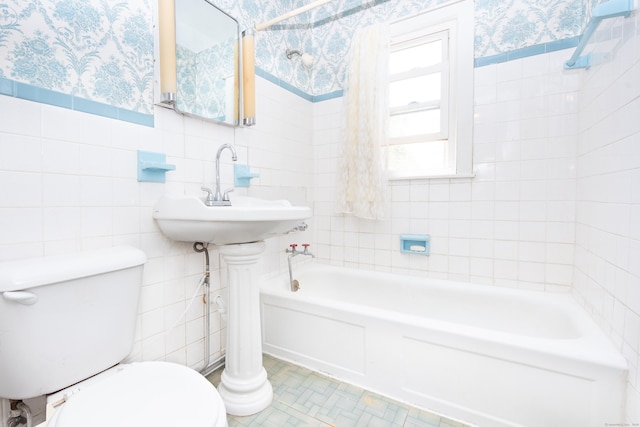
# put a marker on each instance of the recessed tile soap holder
(415, 244)
(152, 167)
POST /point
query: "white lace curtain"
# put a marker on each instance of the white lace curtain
(361, 184)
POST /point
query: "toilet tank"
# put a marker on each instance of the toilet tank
(65, 318)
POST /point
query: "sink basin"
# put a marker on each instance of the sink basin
(248, 219)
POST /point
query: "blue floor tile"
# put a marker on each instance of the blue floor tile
(306, 398)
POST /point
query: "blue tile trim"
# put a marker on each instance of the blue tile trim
(92, 107)
(45, 96)
(328, 96)
(135, 117)
(527, 51)
(273, 79)
(563, 44)
(312, 98)
(7, 87)
(478, 62)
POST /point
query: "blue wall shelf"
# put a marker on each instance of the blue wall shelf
(242, 176)
(152, 167)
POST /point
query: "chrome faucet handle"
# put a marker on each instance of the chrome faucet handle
(225, 195)
(209, 200)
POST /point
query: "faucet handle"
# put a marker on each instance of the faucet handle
(225, 196)
(291, 249)
(209, 201)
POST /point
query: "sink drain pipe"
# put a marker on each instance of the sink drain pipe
(208, 366)
(21, 414)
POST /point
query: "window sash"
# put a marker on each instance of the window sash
(413, 40)
(456, 17)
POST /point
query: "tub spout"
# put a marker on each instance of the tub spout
(306, 250)
(293, 251)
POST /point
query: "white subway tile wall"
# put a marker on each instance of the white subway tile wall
(607, 247)
(496, 228)
(554, 204)
(68, 182)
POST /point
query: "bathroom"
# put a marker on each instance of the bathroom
(553, 206)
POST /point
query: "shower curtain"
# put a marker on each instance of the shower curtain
(361, 184)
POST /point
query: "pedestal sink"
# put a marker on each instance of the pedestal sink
(248, 219)
(239, 229)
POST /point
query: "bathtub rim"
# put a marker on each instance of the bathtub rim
(591, 350)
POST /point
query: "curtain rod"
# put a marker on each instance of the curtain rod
(425, 11)
(291, 14)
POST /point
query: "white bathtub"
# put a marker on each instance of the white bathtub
(485, 355)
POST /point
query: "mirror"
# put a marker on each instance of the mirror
(207, 66)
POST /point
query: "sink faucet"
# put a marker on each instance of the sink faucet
(220, 199)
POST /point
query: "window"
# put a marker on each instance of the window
(431, 94)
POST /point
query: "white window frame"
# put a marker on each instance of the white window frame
(455, 18)
(442, 67)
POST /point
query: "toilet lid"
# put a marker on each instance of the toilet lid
(158, 394)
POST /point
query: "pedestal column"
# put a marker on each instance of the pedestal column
(244, 387)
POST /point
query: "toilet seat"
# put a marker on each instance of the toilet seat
(158, 394)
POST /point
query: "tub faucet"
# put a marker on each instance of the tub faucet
(293, 251)
(219, 198)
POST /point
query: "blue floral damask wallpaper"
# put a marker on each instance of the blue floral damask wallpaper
(501, 26)
(102, 50)
(506, 25)
(206, 92)
(99, 50)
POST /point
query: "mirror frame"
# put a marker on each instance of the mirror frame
(171, 100)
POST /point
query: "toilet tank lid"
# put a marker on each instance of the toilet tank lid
(32, 272)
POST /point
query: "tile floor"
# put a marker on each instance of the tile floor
(306, 398)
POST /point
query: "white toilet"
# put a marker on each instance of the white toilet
(66, 323)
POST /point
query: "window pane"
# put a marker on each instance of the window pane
(418, 89)
(415, 123)
(424, 55)
(419, 159)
